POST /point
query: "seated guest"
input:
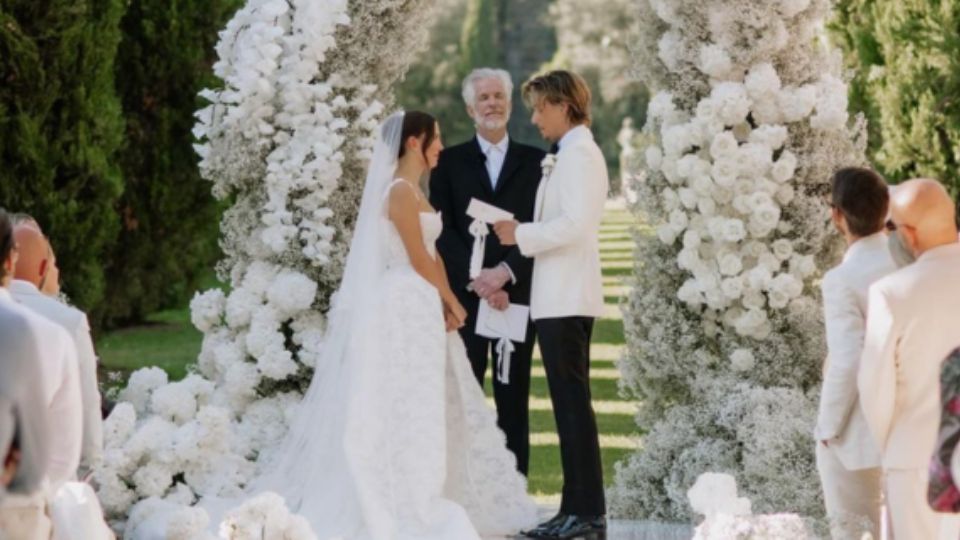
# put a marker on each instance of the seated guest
(912, 322)
(25, 441)
(57, 358)
(848, 459)
(36, 268)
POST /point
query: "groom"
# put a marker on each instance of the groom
(494, 169)
(567, 294)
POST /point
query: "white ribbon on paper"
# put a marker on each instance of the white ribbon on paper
(479, 230)
(505, 349)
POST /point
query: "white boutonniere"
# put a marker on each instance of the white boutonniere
(546, 166)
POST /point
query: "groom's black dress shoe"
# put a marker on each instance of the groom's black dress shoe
(580, 527)
(544, 529)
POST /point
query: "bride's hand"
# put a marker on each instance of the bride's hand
(456, 311)
(451, 321)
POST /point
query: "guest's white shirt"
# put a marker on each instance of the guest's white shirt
(495, 154)
(61, 387)
(564, 237)
(75, 323)
(845, 288)
(913, 323)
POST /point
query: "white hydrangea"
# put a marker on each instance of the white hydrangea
(206, 309)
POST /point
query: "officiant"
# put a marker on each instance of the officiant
(493, 169)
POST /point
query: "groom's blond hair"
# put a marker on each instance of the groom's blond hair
(557, 87)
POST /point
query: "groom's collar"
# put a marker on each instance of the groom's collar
(575, 134)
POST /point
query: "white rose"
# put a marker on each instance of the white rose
(730, 264)
(691, 240)
(787, 284)
(773, 136)
(753, 300)
(661, 106)
(689, 293)
(732, 287)
(688, 258)
(724, 145)
(762, 80)
(785, 194)
(797, 103)
(759, 278)
(724, 172)
(670, 199)
(688, 198)
(667, 234)
(769, 261)
(782, 248)
(733, 230)
(803, 265)
(784, 168)
(734, 105)
(777, 299)
(714, 61)
(706, 206)
(679, 220)
(742, 360)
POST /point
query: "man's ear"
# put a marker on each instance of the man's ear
(470, 111)
(44, 268)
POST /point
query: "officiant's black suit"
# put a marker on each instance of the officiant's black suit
(461, 174)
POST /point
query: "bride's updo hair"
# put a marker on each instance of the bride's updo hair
(417, 124)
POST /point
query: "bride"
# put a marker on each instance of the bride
(394, 439)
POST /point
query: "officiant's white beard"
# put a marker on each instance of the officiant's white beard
(491, 124)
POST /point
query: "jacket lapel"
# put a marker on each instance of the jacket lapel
(478, 163)
(511, 162)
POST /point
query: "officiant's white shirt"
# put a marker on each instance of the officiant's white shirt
(61, 385)
(845, 288)
(564, 237)
(495, 154)
(75, 323)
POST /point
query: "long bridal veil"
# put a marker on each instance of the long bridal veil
(310, 467)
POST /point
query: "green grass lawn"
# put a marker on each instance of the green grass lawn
(172, 343)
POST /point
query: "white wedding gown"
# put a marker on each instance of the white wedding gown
(410, 449)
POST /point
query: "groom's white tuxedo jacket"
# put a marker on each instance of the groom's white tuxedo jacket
(913, 323)
(845, 288)
(564, 236)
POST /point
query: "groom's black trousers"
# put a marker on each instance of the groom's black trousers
(513, 399)
(565, 345)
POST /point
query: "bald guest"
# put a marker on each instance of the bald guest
(912, 323)
(36, 270)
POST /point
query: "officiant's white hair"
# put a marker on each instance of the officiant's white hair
(479, 74)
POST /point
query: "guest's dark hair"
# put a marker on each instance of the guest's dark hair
(6, 240)
(862, 197)
(417, 124)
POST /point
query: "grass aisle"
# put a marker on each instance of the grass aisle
(170, 342)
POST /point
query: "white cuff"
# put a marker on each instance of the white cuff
(513, 278)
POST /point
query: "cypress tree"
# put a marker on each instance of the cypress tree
(906, 59)
(61, 127)
(167, 217)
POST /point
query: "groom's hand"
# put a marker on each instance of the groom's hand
(506, 231)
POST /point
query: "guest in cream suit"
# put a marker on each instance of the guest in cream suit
(567, 292)
(912, 325)
(35, 269)
(848, 459)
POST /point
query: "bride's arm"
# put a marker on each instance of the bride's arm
(404, 212)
